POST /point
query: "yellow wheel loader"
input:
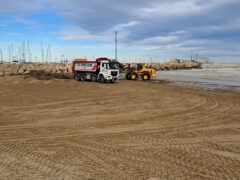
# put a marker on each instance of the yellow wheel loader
(142, 72)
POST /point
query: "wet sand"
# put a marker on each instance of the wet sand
(211, 77)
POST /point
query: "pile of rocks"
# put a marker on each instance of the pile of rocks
(57, 68)
(21, 69)
(171, 65)
(174, 65)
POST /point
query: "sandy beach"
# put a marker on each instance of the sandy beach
(64, 129)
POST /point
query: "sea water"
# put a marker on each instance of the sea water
(211, 77)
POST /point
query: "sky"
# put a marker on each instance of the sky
(148, 30)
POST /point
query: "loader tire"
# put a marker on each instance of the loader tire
(113, 81)
(127, 76)
(133, 76)
(145, 77)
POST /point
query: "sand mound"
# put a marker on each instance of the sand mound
(44, 75)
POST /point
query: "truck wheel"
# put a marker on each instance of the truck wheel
(93, 78)
(77, 76)
(102, 79)
(113, 80)
(82, 77)
(145, 77)
(133, 76)
(127, 76)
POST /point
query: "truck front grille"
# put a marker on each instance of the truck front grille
(114, 73)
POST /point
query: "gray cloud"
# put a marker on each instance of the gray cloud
(151, 24)
(21, 7)
(204, 22)
(160, 16)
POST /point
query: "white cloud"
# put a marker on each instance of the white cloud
(80, 34)
(171, 8)
(121, 27)
(159, 39)
(14, 34)
(179, 32)
(202, 47)
(25, 21)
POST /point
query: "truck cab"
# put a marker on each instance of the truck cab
(108, 71)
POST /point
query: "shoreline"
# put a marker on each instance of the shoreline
(178, 83)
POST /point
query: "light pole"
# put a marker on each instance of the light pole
(116, 45)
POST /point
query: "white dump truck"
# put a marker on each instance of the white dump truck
(103, 70)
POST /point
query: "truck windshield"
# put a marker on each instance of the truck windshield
(114, 65)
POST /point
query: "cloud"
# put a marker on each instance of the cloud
(202, 48)
(78, 34)
(21, 7)
(121, 27)
(14, 34)
(159, 40)
(25, 21)
(169, 26)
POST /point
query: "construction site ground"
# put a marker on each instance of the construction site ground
(64, 129)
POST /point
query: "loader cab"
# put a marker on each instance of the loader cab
(139, 67)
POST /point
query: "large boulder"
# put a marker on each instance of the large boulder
(2, 66)
(9, 72)
(69, 70)
(20, 71)
(27, 71)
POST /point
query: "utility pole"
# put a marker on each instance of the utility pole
(116, 40)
